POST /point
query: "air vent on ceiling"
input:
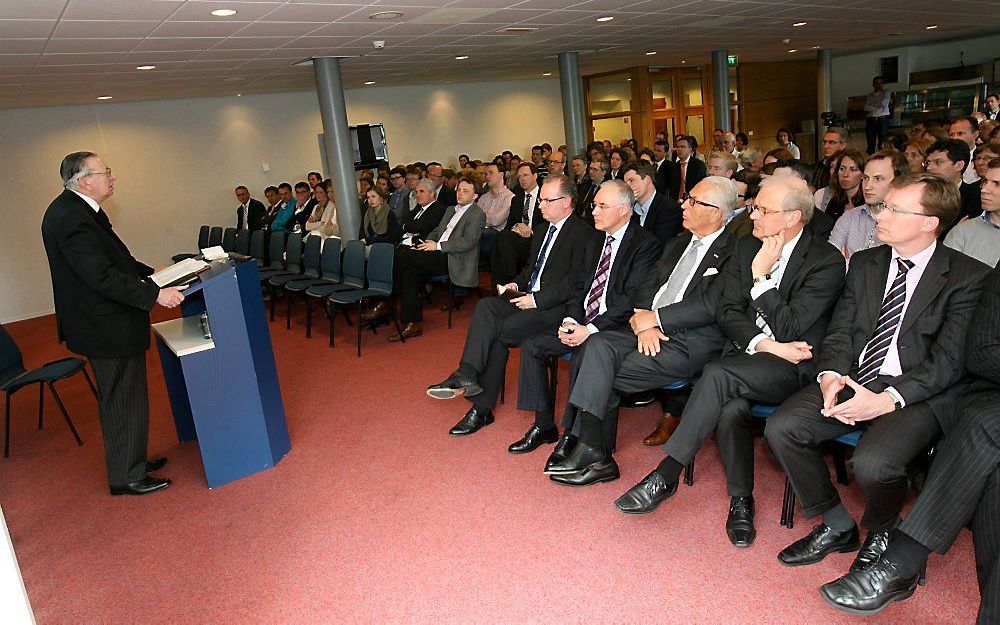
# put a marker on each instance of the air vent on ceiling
(517, 30)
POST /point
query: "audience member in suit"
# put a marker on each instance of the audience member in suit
(747, 185)
(498, 323)
(666, 169)
(657, 212)
(597, 174)
(398, 198)
(510, 252)
(889, 364)
(425, 216)
(615, 265)
(673, 326)
(821, 224)
(452, 248)
(304, 205)
(445, 195)
(949, 159)
(980, 237)
(102, 299)
(274, 205)
(379, 223)
(834, 142)
(282, 221)
(578, 169)
(250, 212)
(690, 169)
(616, 162)
(963, 486)
(779, 291)
(556, 162)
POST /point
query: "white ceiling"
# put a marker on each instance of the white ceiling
(55, 52)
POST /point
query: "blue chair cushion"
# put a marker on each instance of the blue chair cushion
(851, 438)
(678, 385)
(761, 411)
(47, 373)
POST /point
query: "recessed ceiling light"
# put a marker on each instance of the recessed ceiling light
(546, 73)
(797, 24)
(239, 95)
(794, 50)
(606, 18)
(369, 82)
(224, 12)
(461, 57)
(931, 26)
(683, 61)
(103, 97)
(815, 47)
(385, 15)
(651, 53)
(145, 67)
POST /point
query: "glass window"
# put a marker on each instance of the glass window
(610, 94)
(663, 94)
(613, 129)
(694, 125)
(692, 91)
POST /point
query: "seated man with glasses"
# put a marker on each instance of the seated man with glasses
(775, 301)
(672, 335)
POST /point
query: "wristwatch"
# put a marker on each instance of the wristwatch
(766, 276)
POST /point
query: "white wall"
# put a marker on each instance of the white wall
(13, 597)
(852, 73)
(177, 161)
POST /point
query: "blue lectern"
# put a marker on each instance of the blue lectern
(224, 389)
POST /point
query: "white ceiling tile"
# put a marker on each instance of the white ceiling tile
(120, 9)
(103, 29)
(197, 29)
(26, 28)
(228, 55)
(80, 59)
(196, 10)
(318, 14)
(252, 43)
(31, 9)
(18, 60)
(21, 46)
(79, 46)
(178, 43)
(278, 29)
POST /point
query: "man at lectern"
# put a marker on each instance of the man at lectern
(102, 301)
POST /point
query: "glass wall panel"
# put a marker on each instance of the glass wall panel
(692, 91)
(610, 94)
(663, 94)
(613, 128)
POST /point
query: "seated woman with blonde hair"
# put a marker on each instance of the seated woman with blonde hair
(323, 220)
(379, 224)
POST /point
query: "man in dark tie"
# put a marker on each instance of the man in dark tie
(889, 364)
(657, 212)
(534, 303)
(690, 169)
(250, 212)
(672, 335)
(597, 173)
(778, 293)
(102, 299)
(615, 266)
(510, 252)
(666, 169)
(425, 216)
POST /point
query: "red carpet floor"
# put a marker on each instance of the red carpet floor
(377, 515)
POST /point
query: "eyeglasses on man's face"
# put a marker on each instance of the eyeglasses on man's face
(690, 199)
(106, 172)
(764, 212)
(882, 206)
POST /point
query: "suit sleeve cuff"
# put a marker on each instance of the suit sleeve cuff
(593, 329)
(819, 376)
(896, 396)
(754, 342)
(762, 287)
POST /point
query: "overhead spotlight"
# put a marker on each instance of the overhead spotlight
(145, 67)
(224, 12)
(797, 24)
(546, 73)
(606, 18)
(239, 95)
(793, 50)
(931, 26)
(461, 57)
(651, 53)
(104, 97)
(369, 82)
(683, 61)
(382, 16)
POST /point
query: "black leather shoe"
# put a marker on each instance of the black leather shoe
(819, 543)
(454, 386)
(564, 446)
(143, 487)
(870, 590)
(533, 439)
(155, 464)
(873, 547)
(647, 495)
(739, 524)
(597, 472)
(472, 422)
(579, 459)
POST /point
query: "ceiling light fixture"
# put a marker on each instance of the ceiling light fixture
(651, 53)
(793, 50)
(224, 12)
(382, 16)
(369, 82)
(145, 67)
(546, 73)
(239, 95)
(606, 18)
(461, 57)
(797, 24)
(104, 97)
(931, 26)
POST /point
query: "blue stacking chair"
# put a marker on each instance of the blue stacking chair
(229, 239)
(203, 234)
(352, 274)
(275, 262)
(310, 269)
(214, 236)
(293, 266)
(257, 247)
(242, 243)
(327, 273)
(379, 270)
(851, 439)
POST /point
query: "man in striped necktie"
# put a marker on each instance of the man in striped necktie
(890, 364)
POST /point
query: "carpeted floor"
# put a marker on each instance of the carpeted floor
(377, 515)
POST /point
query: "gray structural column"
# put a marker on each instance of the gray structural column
(720, 89)
(337, 138)
(572, 101)
(824, 91)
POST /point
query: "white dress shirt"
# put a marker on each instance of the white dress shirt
(548, 252)
(530, 201)
(642, 208)
(603, 308)
(459, 211)
(777, 272)
(970, 176)
(877, 103)
(706, 242)
(89, 200)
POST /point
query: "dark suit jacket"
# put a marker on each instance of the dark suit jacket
(667, 178)
(798, 310)
(741, 225)
(637, 252)
(983, 353)
(585, 202)
(102, 302)
(301, 217)
(564, 260)
(664, 218)
(821, 225)
(516, 214)
(932, 333)
(972, 199)
(255, 213)
(462, 246)
(696, 171)
(427, 222)
(695, 316)
(447, 197)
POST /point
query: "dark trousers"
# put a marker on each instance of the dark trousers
(720, 402)
(532, 379)
(412, 268)
(496, 326)
(795, 431)
(875, 129)
(123, 403)
(487, 240)
(510, 254)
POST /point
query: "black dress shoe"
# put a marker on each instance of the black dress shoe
(454, 386)
(869, 590)
(143, 487)
(155, 464)
(597, 472)
(579, 459)
(818, 544)
(533, 439)
(564, 446)
(739, 524)
(647, 495)
(472, 422)
(873, 547)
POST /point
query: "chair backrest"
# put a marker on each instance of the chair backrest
(215, 236)
(293, 252)
(311, 256)
(229, 239)
(329, 263)
(380, 267)
(257, 246)
(203, 237)
(11, 364)
(275, 249)
(354, 264)
(242, 244)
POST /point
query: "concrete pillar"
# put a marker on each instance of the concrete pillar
(574, 120)
(337, 138)
(720, 89)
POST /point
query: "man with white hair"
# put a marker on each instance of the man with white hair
(425, 216)
(775, 302)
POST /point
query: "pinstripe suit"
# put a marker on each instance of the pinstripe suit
(964, 482)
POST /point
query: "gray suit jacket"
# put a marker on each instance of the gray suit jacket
(462, 246)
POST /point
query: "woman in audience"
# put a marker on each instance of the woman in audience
(617, 161)
(323, 221)
(916, 154)
(778, 154)
(379, 224)
(982, 156)
(786, 140)
(382, 182)
(646, 155)
(846, 184)
(578, 165)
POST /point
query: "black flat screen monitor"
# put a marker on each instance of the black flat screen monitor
(370, 149)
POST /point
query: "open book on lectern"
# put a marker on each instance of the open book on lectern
(179, 273)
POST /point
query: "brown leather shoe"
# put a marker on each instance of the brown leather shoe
(409, 331)
(668, 423)
(378, 310)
